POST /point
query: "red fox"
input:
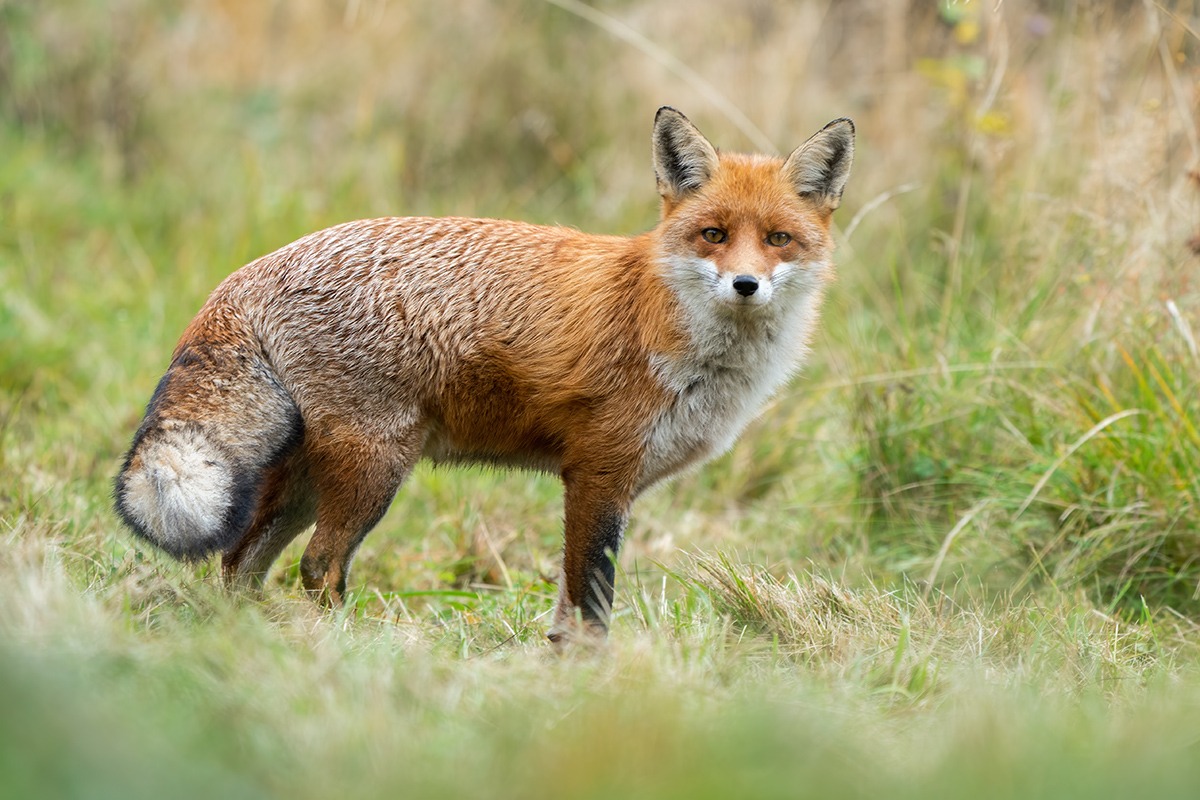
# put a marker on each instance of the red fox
(316, 377)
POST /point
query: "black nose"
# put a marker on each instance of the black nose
(745, 285)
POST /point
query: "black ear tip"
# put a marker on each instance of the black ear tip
(667, 111)
(839, 122)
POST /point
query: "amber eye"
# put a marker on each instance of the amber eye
(713, 235)
(778, 239)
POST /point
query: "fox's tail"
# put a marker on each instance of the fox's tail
(190, 482)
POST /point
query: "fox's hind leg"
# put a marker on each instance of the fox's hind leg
(286, 507)
(355, 473)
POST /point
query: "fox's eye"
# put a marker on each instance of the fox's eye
(713, 235)
(778, 239)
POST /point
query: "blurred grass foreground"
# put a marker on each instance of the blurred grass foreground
(958, 557)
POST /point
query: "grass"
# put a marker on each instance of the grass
(956, 557)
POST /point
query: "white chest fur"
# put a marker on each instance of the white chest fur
(736, 362)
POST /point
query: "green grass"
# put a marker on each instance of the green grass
(957, 557)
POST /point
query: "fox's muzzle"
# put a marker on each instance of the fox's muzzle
(745, 285)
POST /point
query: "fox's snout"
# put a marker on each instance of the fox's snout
(745, 285)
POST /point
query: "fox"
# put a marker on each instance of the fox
(316, 377)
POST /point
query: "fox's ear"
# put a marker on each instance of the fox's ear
(819, 167)
(683, 159)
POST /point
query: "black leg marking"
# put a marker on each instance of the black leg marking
(603, 546)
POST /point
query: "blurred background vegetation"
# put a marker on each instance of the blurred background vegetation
(1001, 410)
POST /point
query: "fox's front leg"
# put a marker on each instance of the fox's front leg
(596, 508)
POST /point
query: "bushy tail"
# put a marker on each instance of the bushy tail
(190, 482)
(178, 491)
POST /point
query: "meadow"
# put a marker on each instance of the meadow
(958, 556)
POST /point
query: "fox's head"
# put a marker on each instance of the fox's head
(741, 231)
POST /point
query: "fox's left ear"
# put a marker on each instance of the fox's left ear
(819, 167)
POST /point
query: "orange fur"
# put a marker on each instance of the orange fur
(315, 377)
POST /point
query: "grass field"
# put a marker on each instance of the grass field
(958, 557)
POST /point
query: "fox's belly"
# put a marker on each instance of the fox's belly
(441, 448)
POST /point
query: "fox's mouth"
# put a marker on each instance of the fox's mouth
(749, 302)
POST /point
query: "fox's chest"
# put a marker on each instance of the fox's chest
(713, 399)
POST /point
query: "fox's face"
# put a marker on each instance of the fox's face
(740, 232)
(745, 238)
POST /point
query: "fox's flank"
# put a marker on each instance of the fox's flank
(316, 377)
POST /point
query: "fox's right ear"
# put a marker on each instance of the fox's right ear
(683, 159)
